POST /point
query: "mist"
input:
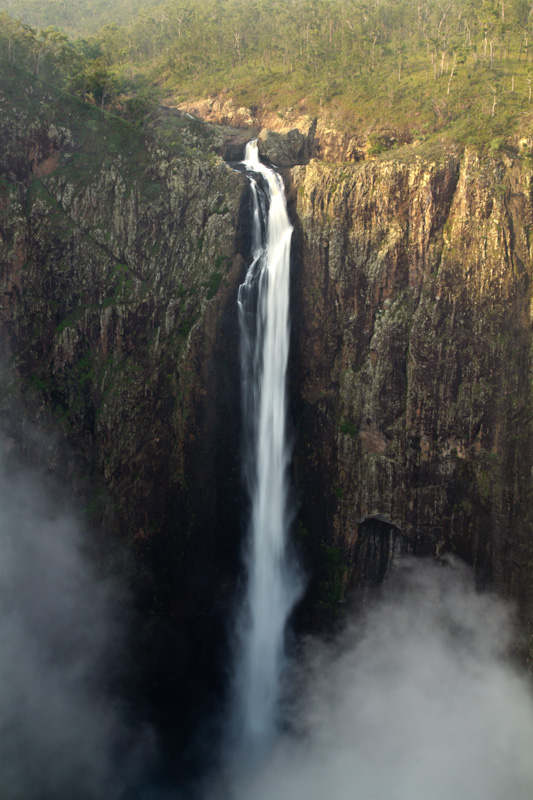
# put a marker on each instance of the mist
(419, 700)
(63, 732)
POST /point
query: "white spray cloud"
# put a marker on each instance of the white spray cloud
(62, 734)
(420, 701)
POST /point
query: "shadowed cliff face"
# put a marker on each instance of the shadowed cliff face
(120, 262)
(413, 359)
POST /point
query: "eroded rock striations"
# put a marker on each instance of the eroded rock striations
(413, 375)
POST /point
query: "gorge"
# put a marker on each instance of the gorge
(409, 379)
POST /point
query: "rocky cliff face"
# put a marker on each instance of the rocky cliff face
(291, 136)
(412, 377)
(411, 364)
(120, 261)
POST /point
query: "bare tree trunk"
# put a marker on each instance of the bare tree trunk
(451, 73)
(444, 15)
(237, 46)
(373, 50)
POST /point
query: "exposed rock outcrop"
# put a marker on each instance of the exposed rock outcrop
(294, 136)
(285, 149)
(285, 139)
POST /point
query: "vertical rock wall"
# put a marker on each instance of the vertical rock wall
(120, 262)
(413, 358)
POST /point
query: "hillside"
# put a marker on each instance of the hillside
(462, 70)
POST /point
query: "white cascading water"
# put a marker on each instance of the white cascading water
(273, 582)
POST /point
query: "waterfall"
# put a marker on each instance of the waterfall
(273, 581)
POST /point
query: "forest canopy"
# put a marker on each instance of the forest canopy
(458, 66)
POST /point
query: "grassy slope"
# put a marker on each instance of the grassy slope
(320, 56)
(417, 103)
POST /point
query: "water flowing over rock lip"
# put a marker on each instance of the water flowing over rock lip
(293, 137)
(273, 584)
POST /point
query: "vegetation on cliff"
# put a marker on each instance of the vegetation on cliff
(464, 66)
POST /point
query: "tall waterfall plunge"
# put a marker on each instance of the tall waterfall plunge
(273, 582)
